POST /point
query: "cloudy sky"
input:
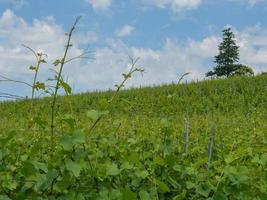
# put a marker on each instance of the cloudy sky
(171, 37)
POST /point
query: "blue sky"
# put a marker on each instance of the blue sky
(170, 37)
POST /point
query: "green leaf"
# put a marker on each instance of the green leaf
(28, 169)
(33, 68)
(42, 61)
(127, 194)
(69, 120)
(73, 167)
(219, 196)
(159, 161)
(56, 62)
(256, 159)
(203, 190)
(180, 196)
(165, 122)
(115, 194)
(78, 137)
(40, 122)
(141, 174)
(134, 158)
(112, 169)
(52, 174)
(4, 197)
(103, 194)
(65, 182)
(95, 115)
(8, 182)
(144, 195)
(126, 76)
(40, 166)
(45, 182)
(238, 175)
(162, 187)
(39, 86)
(262, 160)
(177, 168)
(140, 70)
(66, 87)
(127, 165)
(190, 185)
(229, 158)
(66, 142)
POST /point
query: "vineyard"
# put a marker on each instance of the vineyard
(201, 140)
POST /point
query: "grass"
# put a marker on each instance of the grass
(203, 140)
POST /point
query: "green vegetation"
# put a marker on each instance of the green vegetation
(226, 60)
(203, 140)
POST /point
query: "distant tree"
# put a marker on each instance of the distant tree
(243, 70)
(228, 56)
(210, 73)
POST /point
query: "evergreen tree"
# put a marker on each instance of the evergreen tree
(226, 60)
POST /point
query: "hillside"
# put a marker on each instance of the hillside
(204, 140)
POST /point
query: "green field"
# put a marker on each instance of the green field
(205, 140)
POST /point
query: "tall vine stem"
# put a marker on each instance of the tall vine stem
(39, 61)
(61, 62)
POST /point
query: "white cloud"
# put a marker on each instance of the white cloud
(254, 2)
(99, 4)
(15, 3)
(125, 31)
(85, 38)
(177, 6)
(163, 65)
(167, 64)
(249, 2)
(42, 35)
(175, 59)
(253, 47)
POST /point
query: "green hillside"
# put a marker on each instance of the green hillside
(205, 140)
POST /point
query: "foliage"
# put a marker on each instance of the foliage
(202, 140)
(183, 141)
(243, 70)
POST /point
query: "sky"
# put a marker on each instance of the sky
(171, 37)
